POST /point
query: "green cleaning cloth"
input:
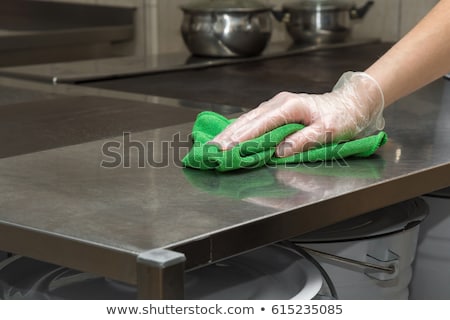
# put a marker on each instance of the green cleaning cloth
(260, 151)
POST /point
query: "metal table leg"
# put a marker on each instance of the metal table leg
(160, 274)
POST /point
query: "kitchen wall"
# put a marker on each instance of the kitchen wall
(145, 14)
(158, 21)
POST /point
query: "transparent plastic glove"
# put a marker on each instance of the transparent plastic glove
(353, 109)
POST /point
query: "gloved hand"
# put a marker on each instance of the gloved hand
(353, 109)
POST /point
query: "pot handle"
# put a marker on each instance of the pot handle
(358, 13)
(381, 270)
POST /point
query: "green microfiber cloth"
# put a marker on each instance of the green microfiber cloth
(260, 151)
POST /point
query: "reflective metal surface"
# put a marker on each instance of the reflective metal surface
(28, 90)
(112, 68)
(62, 206)
(248, 84)
(43, 124)
(13, 94)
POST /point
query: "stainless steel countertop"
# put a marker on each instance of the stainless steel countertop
(14, 94)
(246, 85)
(42, 124)
(61, 206)
(111, 68)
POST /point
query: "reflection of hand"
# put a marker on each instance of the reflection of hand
(352, 110)
(308, 183)
(309, 187)
(320, 182)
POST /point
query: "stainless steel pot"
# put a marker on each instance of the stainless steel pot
(227, 28)
(321, 21)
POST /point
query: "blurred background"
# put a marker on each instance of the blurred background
(112, 28)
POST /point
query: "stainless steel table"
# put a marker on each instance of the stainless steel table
(42, 124)
(13, 94)
(147, 220)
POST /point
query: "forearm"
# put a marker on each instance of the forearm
(420, 57)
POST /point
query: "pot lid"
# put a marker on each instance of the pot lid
(225, 6)
(389, 220)
(318, 5)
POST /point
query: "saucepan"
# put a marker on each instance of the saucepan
(235, 28)
(320, 21)
(226, 28)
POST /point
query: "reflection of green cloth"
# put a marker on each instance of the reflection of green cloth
(239, 185)
(260, 151)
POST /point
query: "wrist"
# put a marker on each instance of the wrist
(363, 99)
